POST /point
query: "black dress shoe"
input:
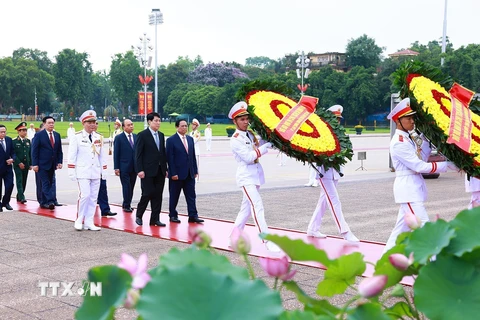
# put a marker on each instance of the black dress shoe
(128, 209)
(195, 220)
(23, 201)
(175, 220)
(158, 224)
(56, 204)
(51, 206)
(109, 214)
(44, 206)
(139, 221)
(8, 206)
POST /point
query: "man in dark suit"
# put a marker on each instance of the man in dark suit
(151, 168)
(123, 162)
(47, 156)
(7, 157)
(183, 171)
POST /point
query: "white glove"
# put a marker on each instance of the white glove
(104, 176)
(264, 149)
(452, 167)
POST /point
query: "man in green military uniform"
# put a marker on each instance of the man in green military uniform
(23, 161)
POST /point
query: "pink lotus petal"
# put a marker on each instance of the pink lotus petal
(412, 221)
(142, 263)
(399, 261)
(128, 263)
(275, 267)
(240, 242)
(373, 286)
(140, 280)
(289, 276)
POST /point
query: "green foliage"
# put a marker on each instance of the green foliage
(199, 284)
(363, 52)
(115, 283)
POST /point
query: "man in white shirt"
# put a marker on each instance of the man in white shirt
(70, 131)
(31, 132)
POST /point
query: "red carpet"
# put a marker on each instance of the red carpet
(219, 230)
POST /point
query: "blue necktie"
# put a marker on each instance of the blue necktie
(156, 140)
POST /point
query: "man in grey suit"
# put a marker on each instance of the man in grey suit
(151, 168)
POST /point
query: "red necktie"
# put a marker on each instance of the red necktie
(185, 143)
(51, 140)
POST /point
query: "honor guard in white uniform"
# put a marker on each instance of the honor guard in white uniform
(196, 135)
(208, 137)
(87, 164)
(472, 185)
(409, 151)
(328, 180)
(247, 151)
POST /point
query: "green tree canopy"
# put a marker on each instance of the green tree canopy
(364, 52)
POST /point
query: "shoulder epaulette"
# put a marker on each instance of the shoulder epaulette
(400, 138)
(235, 135)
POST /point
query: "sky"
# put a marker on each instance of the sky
(229, 30)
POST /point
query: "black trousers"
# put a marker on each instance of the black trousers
(128, 180)
(7, 178)
(152, 191)
(188, 187)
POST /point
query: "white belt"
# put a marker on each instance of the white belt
(407, 172)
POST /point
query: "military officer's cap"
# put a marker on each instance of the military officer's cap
(336, 110)
(118, 121)
(196, 122)
(22, 125)
(401, 110)
(239, 109)
(88, 116)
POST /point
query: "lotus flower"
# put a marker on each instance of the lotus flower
(138, 270)
(278, 268)
(412, 221)
(373, 286)
(199, 237)
(400, 261)
(240, 242)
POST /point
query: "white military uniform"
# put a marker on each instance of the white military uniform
(473, 186)
(196, 138)
(328, 196)
(70, 133)
(249, 177)
(409, 187)
(30, 133)
(208, 137)
(87, 164)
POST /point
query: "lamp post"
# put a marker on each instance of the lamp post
(141, 52)
(156, 18)
(444, 38)
(303, 71)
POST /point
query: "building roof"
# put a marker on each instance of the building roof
(407, 52)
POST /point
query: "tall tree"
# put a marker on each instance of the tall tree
(260, 62)
(215, 74)
(72, 72)
(363, 52)
(124, 72)
(361, 94)
(169, 78)
(41, 57)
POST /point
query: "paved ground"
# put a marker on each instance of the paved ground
(34, 248)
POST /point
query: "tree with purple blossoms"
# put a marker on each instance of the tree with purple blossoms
(215, 74)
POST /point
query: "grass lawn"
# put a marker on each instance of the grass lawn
(167, 128)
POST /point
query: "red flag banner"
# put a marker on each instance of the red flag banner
(460, 132)
(141, 102)
(294, 119)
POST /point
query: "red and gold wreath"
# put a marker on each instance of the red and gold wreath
(320, 139)
(430, 97)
